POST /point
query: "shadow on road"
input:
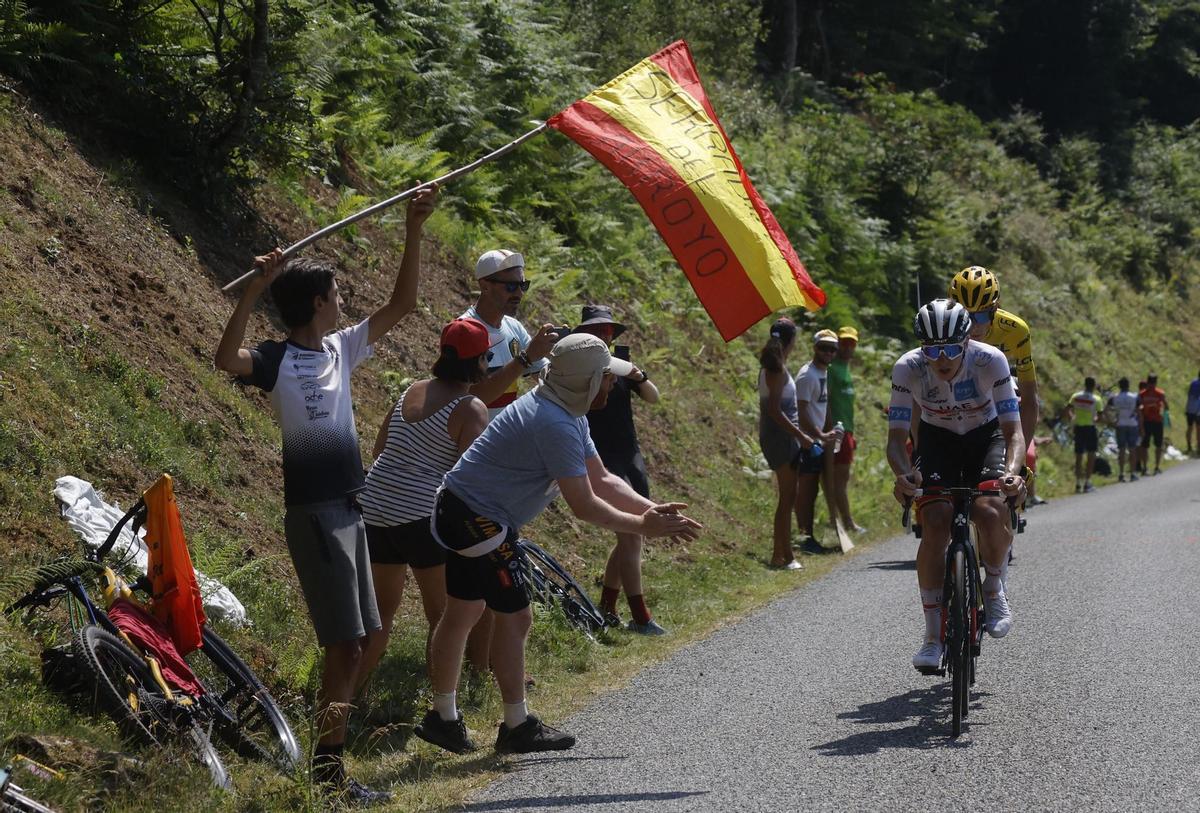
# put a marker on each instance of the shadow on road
(897, 564)
(579, 801)
(521, 763)
(928, 709)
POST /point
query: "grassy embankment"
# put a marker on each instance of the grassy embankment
(106, 325)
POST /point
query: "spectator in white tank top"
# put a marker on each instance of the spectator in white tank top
(422, 437)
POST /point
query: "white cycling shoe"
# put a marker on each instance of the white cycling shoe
(928, 659)
(999, 614)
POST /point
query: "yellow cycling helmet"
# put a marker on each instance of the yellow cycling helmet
(975, 288)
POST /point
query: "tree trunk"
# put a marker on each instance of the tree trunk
(254, 73)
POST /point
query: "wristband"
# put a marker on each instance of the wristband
(523, 360)
(643, 379)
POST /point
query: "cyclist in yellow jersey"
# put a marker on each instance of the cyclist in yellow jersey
(978, 290)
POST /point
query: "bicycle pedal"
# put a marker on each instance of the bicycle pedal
(932, 671)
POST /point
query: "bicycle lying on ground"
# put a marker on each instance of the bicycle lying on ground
(153, 706)
(550, 585)
(963, 614)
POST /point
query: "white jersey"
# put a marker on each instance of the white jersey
(981, 392)
(811, 389)
(1125, 405)
(506, 343)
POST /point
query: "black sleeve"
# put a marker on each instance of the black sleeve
(266, 359)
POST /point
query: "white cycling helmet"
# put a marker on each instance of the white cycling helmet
(942, 321)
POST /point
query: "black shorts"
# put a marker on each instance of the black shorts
(1153, 429)
(806, 462)
(499, 577)
(1193, 418)
(633, 471)
(949, 460)
(1085, 439)
(409, 544)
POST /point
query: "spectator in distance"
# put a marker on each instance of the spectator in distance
(422, 436)
(1153, 405)
(779, 434)
(307, 376)
(536, 448)
(1122, 407)
(1193, 415)
(841, 409)
(1084, 408)
(812, 401)
(615, 438)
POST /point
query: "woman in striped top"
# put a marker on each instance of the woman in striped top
(433, 423)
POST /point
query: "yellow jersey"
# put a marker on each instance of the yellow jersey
(1010, 335)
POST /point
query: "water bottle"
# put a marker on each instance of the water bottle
(841, 433)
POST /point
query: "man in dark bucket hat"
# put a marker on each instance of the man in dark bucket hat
(616, 440)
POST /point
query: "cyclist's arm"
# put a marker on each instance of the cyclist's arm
(1028, 392)
(1004, 396)
(613, 490)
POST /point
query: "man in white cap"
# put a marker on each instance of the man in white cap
(514, 354)
(534, 450)
(502, 285)
(812, 400)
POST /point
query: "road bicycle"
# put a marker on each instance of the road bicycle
(129, 684)
(550, 585)
(963, 614)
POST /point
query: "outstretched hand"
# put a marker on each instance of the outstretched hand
(665, 519)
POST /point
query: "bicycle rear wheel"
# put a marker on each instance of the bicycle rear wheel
(550, 583)
(247, 717)
(959, 655)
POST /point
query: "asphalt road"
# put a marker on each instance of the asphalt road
(1092, 702)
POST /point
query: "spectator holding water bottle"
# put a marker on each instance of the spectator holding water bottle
(812, 402)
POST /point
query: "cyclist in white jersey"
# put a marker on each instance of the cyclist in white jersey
(1122, 411)
(969, 432)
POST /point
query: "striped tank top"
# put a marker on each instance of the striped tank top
(405, 477)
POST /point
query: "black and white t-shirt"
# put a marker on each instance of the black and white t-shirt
(310, 391)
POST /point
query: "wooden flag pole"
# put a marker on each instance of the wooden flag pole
(384, 204)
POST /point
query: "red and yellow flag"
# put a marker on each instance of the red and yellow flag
(653, 127)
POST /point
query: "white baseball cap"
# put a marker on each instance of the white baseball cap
(497, 260)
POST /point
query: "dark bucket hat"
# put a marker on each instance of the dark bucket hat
(600, 315)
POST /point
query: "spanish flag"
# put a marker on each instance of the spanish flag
(653, 127)
(172, 578)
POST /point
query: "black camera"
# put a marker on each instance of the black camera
(621, 351)
(561, 330)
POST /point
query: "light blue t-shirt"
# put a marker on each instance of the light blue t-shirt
(510, 473)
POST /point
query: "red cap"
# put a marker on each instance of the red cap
(468, 337)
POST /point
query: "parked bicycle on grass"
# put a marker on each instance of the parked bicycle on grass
(125, 658)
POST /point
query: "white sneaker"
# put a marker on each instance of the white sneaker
(929, 657)
(999, 615)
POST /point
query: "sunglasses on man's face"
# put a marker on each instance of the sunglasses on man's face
(981, 317)
(511, 287)
(950, 351)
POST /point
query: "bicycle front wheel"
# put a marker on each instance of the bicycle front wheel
(121, 684)
(959, 656)
(247, 717)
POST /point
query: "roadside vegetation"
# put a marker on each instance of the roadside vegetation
(149, 149)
